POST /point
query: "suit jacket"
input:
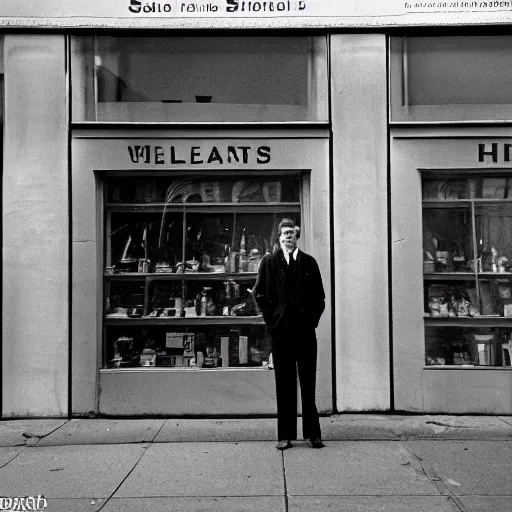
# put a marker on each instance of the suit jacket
(272, 295)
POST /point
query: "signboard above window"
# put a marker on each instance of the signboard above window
(199, 79)
(451, 79)
(252, 13)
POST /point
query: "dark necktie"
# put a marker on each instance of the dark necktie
(293, 279)
(292, 264)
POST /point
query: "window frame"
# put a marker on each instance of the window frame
(182, 278)
(84, 93)
(401, 112)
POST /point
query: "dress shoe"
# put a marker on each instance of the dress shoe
(284, 444)
(317, 443)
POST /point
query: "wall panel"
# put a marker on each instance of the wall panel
(359, 124)
(35, 228)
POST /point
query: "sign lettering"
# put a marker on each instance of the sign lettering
(196, 155)
(494, 152)
(296, 13)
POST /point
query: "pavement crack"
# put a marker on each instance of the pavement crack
(441, 424)
(159, 430)
(424, 470)
(430, 473)
(286, 505)
(16, 456)
(30, 435)
(124, 479)
(458, 503)
(505, 421)
(399, 437)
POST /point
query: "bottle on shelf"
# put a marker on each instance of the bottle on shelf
(244, 260)
(234, 262)
(227, 258)
(204, 300)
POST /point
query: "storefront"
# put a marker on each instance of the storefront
(450, 174)
(145, 173)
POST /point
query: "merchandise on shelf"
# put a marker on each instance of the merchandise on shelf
(181, 258)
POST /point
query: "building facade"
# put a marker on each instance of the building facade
(151, 148)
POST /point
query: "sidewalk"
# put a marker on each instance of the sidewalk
(370, 463)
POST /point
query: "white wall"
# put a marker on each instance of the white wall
(358, 96)
(35, 228)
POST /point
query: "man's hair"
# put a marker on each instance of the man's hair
(287, 223)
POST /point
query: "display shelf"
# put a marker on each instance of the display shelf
(202, 207)
(200, 320)
(448, 276)
(173, 369)
(438, 203)
(447, 203)
(468, 321)
(127, 276)
(196, 276)
(467, 367)
(465, 276)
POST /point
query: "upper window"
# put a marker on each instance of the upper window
(204, 79)
(451, 78)
(1, 86)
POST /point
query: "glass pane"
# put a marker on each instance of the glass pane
(204, 189)
(208, 242)
(494, 236)
(441, 190)
(125, 299)
(181, 257)
(451, 299)
(230, 243)
(231, 297)
(447, 240)
(144, 242)
(191, 347)
(165, 299)
(495, 296)
(492, 188)
(167, 79)
(468, 283)
(459, 70)
(2, 106)
(460, 78)
(468, 346)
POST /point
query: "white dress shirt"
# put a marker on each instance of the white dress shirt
(287, 254)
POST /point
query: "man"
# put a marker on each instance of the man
(290, 295)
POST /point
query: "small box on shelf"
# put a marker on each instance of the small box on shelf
(224, 350)
(243, 349)
(182, 340)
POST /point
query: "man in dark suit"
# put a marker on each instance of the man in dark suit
(290, 295)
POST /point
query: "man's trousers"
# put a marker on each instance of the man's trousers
(294, 347)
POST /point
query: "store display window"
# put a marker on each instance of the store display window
(467, 269)
(181, 259)
(204, 79)
(451, 78)
(2, 115)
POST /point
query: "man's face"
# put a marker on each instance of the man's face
(288, 238)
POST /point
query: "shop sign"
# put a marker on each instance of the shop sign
(294, 13)
(494, 152)
(199, 155)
